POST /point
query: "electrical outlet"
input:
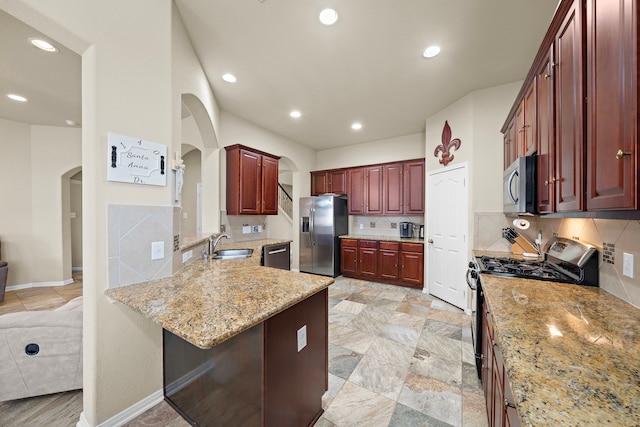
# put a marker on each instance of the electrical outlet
(223, 228)
(256, 229)
(394, 225)
(246, 229)
(372, 224)
(187, 256)
(627, 265)
(302, 338)
(157, 250)
(361, 226)
(185, 215)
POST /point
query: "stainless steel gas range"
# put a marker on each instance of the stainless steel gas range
(564, 260)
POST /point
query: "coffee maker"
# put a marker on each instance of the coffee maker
(407, 229)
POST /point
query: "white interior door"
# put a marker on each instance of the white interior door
(447, 228)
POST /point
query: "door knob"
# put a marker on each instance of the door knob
(430, 241)
(620, 154)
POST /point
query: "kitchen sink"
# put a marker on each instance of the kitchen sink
(232, 253)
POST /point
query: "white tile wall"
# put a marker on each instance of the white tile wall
(623, 234)
(132, 229)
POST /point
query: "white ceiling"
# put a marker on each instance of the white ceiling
(368, 67)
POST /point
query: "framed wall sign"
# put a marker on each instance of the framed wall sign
(136, 161)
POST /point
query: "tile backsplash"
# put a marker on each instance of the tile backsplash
(132, 229)
(380, 225)
(234, 225)
(612, 237)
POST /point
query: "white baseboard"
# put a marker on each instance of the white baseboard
(38, 285)
(128, 414)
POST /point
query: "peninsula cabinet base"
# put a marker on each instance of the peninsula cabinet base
(256, 378)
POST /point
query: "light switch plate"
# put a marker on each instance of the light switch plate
(302, 338)
(627, 264)
(157, 250)
(187, 256)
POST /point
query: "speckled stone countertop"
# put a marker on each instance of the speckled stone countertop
(571, 353)
(383, 238)
(210, 301)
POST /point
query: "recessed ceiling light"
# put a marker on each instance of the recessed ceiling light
(431, 51)
(44, 45)
(356, 126)
(17, 97)
(295, 114)
(229, 78)
(328, 16)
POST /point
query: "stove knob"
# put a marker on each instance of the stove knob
(474, 274)
(471, 264)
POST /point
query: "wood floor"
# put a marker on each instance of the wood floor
(55, 410)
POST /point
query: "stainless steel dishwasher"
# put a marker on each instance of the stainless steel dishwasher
(277, 256)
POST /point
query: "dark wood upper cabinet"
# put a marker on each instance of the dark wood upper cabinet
(392, 191)
(385, 189)
(355, 191)
(373, 190)
(546, 134)
(612, 110)
(530, 132)
(414, 182)
(569, 99)
(252, 182)
(329, 181)
(510, 143)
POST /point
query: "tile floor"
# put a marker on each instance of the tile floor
(397, 357)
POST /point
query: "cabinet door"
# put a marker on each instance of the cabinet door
(373, 190)
(612, 75)
(250, 182)
(355, 185)
(414, 182)
(569, 100)
(546, 135)
(349, 257)
(392, 189)
(487, 363)
(368, 259)
(411, 267)
(269, 189)
(319, 183)
(388, 258)
(510, 150)
(530, 141)
(520, 130)
(338, 182)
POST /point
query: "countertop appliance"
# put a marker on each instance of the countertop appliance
(407, 229)
(421, 232)
(564, 260)
(519, 186)
(322, 220)
(277, 255)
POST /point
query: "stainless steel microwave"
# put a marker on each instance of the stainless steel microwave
(519, 186)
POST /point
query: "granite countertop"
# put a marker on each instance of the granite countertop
(570, 352)
(383, 238)
(210, 301)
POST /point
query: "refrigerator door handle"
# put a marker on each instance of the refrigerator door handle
(311, 225)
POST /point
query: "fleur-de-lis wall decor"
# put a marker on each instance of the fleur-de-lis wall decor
(447, 145)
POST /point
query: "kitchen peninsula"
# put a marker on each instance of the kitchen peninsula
(243, 344)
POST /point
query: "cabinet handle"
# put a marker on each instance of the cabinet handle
(620, 154)
(546, 76)
(553, 64)
(430, 241)
(546, 182)
(508, 405)
(495, 344)
(554, 179)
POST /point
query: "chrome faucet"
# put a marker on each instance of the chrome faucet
(214, 242)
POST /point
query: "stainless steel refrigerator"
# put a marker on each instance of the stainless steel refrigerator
(322, 220)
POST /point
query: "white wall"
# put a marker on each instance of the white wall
(476, 120)
(387, 150)
(35, 230)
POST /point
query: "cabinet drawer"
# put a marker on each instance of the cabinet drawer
(412, 247)
(367, 243)
(392, 246)
(349, 243)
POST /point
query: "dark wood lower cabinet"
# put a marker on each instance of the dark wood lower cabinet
(396, 263)
(256, 378)
(501, 410)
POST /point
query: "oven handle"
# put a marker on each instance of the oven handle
(473, 287)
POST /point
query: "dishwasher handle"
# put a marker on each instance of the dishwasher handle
(277, 251)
